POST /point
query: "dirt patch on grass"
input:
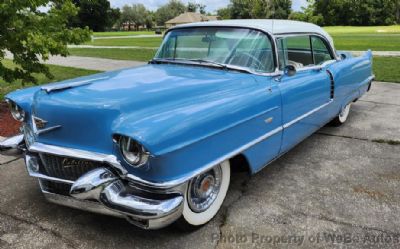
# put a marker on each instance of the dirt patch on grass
(8, 125)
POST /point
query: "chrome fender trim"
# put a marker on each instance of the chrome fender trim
(10, 146)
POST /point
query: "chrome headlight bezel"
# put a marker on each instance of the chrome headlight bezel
(16, 111)
(133, 152)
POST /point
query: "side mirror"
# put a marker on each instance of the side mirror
(290, 70)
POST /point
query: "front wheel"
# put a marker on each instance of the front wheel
(205, 195)
(342, 117)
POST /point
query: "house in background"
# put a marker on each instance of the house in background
(189, 17)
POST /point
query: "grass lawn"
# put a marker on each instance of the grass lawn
(140, 42)
(387, 69)
(335, 30)
(359, 42)
(133, 54)
(378, 38)
(122, 33)
(60, 73)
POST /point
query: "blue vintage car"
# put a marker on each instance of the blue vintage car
(156, 144)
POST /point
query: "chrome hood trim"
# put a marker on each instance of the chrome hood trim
(62, 86)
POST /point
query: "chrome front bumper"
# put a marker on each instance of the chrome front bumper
(103, 190)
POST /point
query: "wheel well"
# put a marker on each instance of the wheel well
(239, 163)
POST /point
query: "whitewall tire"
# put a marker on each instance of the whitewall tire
(343, 115)
(205, 196)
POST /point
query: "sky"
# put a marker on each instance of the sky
(212, 5)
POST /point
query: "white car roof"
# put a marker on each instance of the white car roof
(272, 26)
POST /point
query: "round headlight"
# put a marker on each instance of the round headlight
(17, 112)
(133, 152)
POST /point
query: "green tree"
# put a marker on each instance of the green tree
(135, 15)
(168, 11)
(196, 7)
(30, 35)
(252, 9)
(149, 20)
(192, 7)
(307, 15)
(95, 14)
(224, 13)
(356, 12)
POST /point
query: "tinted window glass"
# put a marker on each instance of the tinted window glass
(320, 50)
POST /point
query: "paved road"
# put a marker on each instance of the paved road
(108, 47)
(340, 181)
(89, 62)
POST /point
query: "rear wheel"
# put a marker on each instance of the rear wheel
(205, 196)
(342, 117)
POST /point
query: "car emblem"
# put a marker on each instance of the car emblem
(70, 163)
(40, 123)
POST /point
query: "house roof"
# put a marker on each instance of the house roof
(190, 17)
(274, 27)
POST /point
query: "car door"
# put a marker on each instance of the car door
(306, 94)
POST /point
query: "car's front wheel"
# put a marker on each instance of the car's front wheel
(342, 117)
(204, 197)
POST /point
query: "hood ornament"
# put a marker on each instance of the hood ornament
(39, 126)
(40, 123)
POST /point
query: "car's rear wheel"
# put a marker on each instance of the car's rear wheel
(342, 117)
(205, 196)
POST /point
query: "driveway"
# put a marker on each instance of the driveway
(339, 188)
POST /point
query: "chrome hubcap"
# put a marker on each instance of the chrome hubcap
(204, 189)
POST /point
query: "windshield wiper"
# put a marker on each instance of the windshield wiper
(224, 66)
(201, 62)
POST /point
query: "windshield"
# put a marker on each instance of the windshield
(237, 47)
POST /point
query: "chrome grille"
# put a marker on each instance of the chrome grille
(55, 187)
(66, 168)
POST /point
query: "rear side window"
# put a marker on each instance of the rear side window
(296, 51)
(320, 51)
(302, 51)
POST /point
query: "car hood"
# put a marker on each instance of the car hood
(164, 107)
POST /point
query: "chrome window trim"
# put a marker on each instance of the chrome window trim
(311, 67)
(330, 47)
(269, 35)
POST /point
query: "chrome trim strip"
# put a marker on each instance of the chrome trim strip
(75, 153)
(49, 178)
(173, 183)
(47, 129)
(288, 124)
(61, 86)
